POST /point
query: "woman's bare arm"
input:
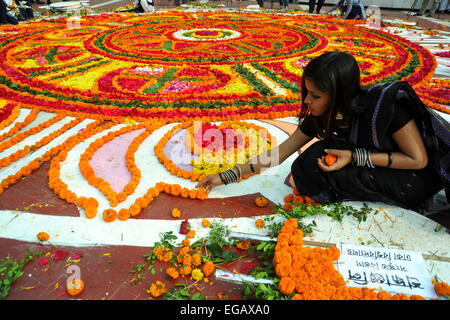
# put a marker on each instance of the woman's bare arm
(412, 154)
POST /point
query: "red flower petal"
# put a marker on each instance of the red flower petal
(184, 229)
(43, 262)
(59, 255)
(247, 267)
(76, 256)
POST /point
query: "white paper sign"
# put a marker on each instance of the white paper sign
(394, 271)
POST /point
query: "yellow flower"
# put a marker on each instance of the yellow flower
(197, 274)
(176, 213)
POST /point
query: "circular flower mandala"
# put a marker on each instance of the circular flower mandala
(192, 150)
(206, 35)
(182, 65)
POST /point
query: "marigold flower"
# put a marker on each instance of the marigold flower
(92, 202)
(109, 215)
(206, 223)
(296, 240)
(176, 213)
(282, 245)
(81, 201)
(383, 295)
(286, 285)
(283, 237)
(298, 199)
(185, 270)
(196, 259)
(333, 252)
(184, 193)
(260, 223)
(153, 192)
(160, 186)
(400, 296)
(123, 214)
(184, 250)
(282, 269)
(142, 202)
(193, 194)
(186, 242)
(197, 274)
(190, 234)
(122, 196)
(134, 210)
(75, 287)
(330, 159)
(157, 289)
(175, 189)
(355, 293)
(442, 289)
(187, 259)
(261, 201)
(43, 236)
(287, 207)
(90, 212)
(172, 272)
(288, 198)
(208, 268)
(242, 244)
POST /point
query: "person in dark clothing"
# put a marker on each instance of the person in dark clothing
(284, 4)
(312, 3)
(390, 147)
(25, 9)
(350, 9)
(145, 6)
(6, 18)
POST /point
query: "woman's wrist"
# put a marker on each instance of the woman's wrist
(389, 159)
(361, 158)
(230, 175)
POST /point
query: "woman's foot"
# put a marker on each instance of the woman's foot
(291, 181)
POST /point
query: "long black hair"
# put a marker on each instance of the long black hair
(336, 73)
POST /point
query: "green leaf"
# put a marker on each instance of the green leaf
(261, 246)
(229, 255)
(198, 296)
(215, 249)
(185, 292)
(260, 275)
(246, 290)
